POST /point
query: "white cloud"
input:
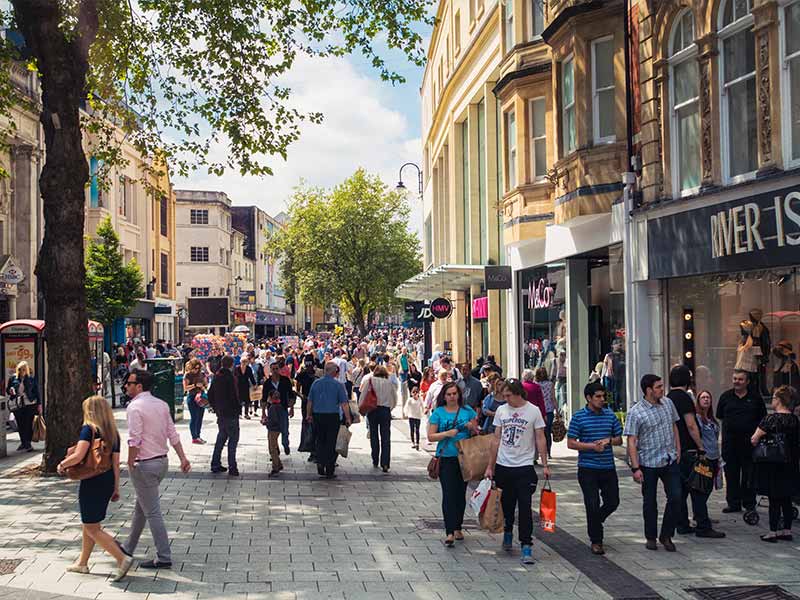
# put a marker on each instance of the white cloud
(360, 129)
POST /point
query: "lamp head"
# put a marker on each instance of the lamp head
(400, 185)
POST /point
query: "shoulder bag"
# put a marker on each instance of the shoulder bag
(771, 449)
(369, 401)
(433, 464)
(96, 462)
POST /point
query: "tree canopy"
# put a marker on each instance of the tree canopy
(350, 245)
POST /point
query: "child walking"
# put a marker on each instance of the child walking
(414, 412)
(271, 417)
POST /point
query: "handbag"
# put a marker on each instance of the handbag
(473, 456)
(701, 479)
(433, 463)
(771, 449)
(547, 508)
(369, 402)
(559, 429)
(96, 461)
(255, 394)
(39, 429)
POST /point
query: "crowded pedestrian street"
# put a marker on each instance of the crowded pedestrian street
(365, 534)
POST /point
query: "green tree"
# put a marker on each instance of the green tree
(112, 287)
(204, 72)
(350, 246)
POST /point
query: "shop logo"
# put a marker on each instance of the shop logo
(441, 308)
(540, 296)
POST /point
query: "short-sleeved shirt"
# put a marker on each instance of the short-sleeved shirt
(326, 395)
(86, 436)
(518, 435)
(740, 415)
(445, 421)
(588, 426)
(652, 424)
(684, 405)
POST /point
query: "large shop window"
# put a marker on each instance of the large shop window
(738, 91)
(791, 81)
(568, 106)
(542, 306)
(538, 139)
(603, 90)
(685, 111)
(746, 320)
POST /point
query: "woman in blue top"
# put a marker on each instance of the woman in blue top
(450, 422)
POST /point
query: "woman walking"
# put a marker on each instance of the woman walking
(450, 422)
(96, 492)
(414, 378)
(414, 412)
(778, 481)
(380, 419)
(23, 399)
(244, 381)
(195, 384)
(519, 432)
(549, 405)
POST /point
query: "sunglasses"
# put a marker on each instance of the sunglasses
(134, 382)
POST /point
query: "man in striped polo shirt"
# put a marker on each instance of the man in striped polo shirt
(592, 432)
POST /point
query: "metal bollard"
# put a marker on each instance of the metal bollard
(3, 421)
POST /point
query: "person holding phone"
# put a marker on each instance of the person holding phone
(592, 432)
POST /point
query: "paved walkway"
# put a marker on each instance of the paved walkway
(363, 535)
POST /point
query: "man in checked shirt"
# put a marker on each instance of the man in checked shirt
(654, 451)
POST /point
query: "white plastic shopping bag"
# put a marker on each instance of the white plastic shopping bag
(479, 497)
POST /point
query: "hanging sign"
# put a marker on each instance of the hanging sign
(441, 308)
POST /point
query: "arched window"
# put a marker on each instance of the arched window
(737, 56)
(684, 96)
(791, 82)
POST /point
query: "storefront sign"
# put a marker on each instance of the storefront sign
(244, 316)
(247, 296)
(540, 295)
(441, 308)
(497, 277)
(480, 308)
(419, 312)
(756, 232)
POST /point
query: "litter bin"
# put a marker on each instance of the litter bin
(3, 425)
(168, 383)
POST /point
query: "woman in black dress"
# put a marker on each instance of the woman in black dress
(779, 481)
(414, 377)
(95, 493)
(245, 379)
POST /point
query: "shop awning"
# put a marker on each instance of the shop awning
(440, 280)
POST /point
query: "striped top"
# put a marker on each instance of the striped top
(589, 426)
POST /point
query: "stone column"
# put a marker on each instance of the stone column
(766, 33)
(577, 316)
(707, 50)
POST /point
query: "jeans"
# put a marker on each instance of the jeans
(597, 483)
(776, 507)
(326, 429)
(24, 417)
(413, 426)
(548, 431)
(380, 426)
(699, 501)
(670, 477)
(561, 392)
(195, 417)
(146, 477)
(518, 485)
(228, 432)
(454, 493)
(284, 416)
(739, 476)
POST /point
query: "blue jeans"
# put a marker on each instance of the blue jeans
(670, 476)
(195, 417)
(228, 432)
(284, 416)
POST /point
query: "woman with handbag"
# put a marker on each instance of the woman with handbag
(99, 485)
(776, 463)
(23, 400)
(195, 384)
(244, 381)
(709, 430)
(450, 422)
(380, 419)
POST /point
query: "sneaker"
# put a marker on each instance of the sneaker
(201, 441)
(123, 569)
(527, 555)
(286, 451)
(218, 469)
(598, 550)
(197, 441)
(651, 545)
(233, 472)
(122, 549)
(508, 540)
(710, 533)
(154, 564)
(76, 568)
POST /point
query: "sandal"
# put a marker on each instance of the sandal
(770, 538)
(459, 535)
(449, 541)
(76, 568)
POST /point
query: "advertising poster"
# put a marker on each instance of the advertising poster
(17, 349)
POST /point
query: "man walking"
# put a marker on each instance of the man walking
(740, 412)
(473, 390)
(325, 401)
(654, 451)
(223, 396)
(282, 385)
(680, 377)
(303, 382)
(592, 432)
(150, 429)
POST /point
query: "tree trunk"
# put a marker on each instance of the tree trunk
(358, 320)
(62, 63)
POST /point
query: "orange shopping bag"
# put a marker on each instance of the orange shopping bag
(547, 508)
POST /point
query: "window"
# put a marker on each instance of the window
(165, 274)
(791, 81)
(164, 220)
(538, 139)
(483, 205)
(123, 205)
(537, 18)
(465, 191)
(199, 253)
(457, 32)
(428, 241)
(684, 107)
(603, 90)
(508, 24)
(568, 105)
(200, 292)
(738, 91)
(198, 216)
(511, 150)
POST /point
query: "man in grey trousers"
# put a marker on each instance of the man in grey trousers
(150, 430)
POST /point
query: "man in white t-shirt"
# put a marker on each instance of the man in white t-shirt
(344, 367)
(519, 431)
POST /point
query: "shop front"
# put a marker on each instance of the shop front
(269, 324)
(137, 325)
(729, 273)
(165, 314)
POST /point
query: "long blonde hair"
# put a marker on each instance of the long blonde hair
(23, 366)
(97, 413)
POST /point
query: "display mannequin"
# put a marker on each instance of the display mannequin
(614, 373)
(748, 355)
(786, 371)
(761, 341)
(561, 373)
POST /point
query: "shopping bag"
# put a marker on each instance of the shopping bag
(354, 416)
(343, 441)
(701, 479)
(306, 437)
(39, 429)
(255, 394)
(559, 428)
(492, 518)
(12, 425)
(473, 456)
(547, 508)
(477, 501)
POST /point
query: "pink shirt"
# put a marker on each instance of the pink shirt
(150, 426)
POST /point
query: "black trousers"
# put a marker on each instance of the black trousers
(699, 500)
(326, 429)
(24, 418)
(596, 484)
(413, 426)
(518, 485)
(739, 489)
(380, 431)
(776, 507)
(454, 493)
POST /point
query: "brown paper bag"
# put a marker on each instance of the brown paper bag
(39, 429)
(473, 456)
(492, 518)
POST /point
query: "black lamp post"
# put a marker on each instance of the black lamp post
(401, 185)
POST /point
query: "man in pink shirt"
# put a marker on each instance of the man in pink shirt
(150, 429)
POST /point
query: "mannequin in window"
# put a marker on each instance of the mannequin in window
(748, 355)
(762, 342)
(614, 373)
(547, 359)
(786, 371)
(561, 374)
